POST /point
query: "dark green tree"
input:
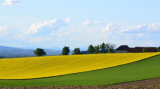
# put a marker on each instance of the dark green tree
(158, 49)
(39, 52)
(65, 50)
(76, 51)
(109, 45)
(145, 49)
(103, 47)
(110, 50)
(97, 49)
(91, 49)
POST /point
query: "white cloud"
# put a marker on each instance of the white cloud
(29, 18)
(12, 2)
(80, 37)
(112, 28)
(92, 23)
(63, 34)
(48, 26)
(119, 28)
(39, 39)
(3, 28)
(73, 27)
(86, 23)
(140, 34)
(68, 20)
(3, 31)
(127, 38)
(154, 27)
(135, 29)
(2, 18)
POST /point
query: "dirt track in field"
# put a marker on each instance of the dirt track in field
(144, 84)
(149, 82)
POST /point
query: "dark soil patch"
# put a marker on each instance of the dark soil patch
(149, 82)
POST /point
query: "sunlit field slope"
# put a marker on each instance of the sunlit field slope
(144, 69)
(38, 67)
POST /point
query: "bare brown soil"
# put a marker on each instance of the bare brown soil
(149, 82)
(144, 84)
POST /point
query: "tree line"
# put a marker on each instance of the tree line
(103, 48)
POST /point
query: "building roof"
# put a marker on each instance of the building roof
(122, 47)
(140, 49)
(136, 49)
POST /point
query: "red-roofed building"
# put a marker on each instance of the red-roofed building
(126, 49)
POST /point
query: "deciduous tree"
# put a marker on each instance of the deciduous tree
(65, 50)
(110, 50)
(91, 49)
(76, 51)
(103, 48)
(39, 52)
(97, 49)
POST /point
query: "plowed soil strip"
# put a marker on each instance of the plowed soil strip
(149, 82)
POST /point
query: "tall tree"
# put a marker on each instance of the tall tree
(65, 50)
(76, 51)
(110, 50)
(109, 45)
(103, 47)
(91, 49)
(97, 49)
(158, 49)
(39, 52)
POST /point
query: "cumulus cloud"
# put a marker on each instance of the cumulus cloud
(3, 31)
(39, 39)
(3, 28)
(86, 23)
(63, 34)
(29, 18)
(92, 23)
(142, 32)
(112, 28)
(68, 20)
(12, 2)
(135, 29)
(119, 28)
(48, 26)
(154, 27)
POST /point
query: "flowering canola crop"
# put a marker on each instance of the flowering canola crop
(39, 67)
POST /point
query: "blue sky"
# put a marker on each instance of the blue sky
(58, 23)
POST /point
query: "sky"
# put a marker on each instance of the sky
(53, 24)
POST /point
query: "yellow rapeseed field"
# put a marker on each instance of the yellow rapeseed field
(38, 67)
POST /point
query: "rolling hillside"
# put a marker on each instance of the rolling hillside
(39, 67)
(140, 70)
(12, 52)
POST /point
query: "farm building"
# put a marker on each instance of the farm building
(122, 49)
(126, 49)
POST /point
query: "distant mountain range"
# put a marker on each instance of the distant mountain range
(12, 52)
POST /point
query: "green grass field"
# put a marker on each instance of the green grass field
(145, 69)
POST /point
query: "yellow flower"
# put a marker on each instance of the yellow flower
(38, 67)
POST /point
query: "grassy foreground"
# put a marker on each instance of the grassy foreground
(144, 69)
(39, 67)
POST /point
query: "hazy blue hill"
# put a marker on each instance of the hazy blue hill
(11, 52)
